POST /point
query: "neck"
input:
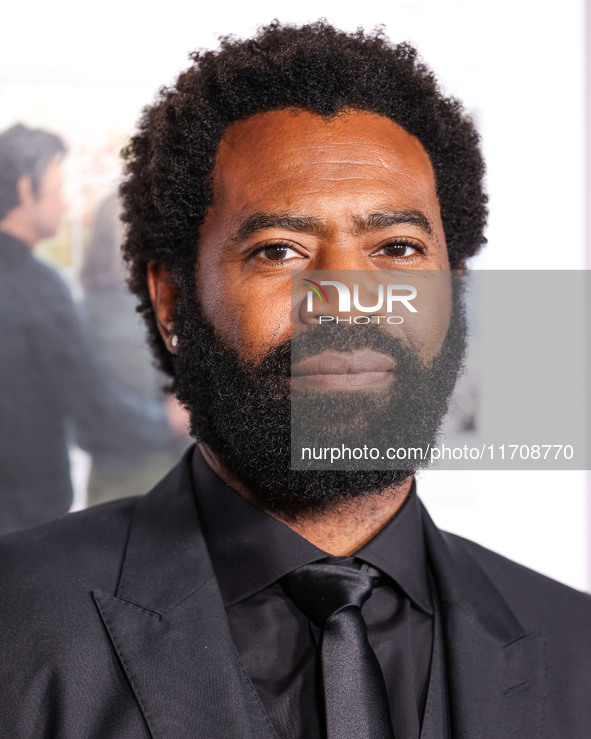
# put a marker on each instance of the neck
(15, 225)
(339, 528)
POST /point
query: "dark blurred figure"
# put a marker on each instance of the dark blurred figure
(119, 334)
(53, 389)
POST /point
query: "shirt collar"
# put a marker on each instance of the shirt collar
(250, 549)
(399, 551)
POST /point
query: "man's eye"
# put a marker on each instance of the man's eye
(277, 252)
(398, 250)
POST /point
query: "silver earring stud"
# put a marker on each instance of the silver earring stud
(174, 341)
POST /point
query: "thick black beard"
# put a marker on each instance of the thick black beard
(242, 411)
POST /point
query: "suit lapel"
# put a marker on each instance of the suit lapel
(167, 624)
(495, 670)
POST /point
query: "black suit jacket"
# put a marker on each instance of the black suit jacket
(112, 626)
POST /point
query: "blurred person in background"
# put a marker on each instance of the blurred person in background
(54, 391)
(119, 335)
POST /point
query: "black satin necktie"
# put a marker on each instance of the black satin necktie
(355, 695)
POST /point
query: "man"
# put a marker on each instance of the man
(242, 598)
(54, 388)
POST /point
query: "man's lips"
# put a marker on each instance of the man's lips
(333, 370)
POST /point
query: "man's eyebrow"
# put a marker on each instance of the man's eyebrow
(376, 221)
(262, 221)
(384, 219)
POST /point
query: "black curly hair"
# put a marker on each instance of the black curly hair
(168, 189)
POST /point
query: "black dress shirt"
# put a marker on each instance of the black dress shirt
(278, 645)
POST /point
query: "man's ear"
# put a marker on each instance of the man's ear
(163, 297)
(24, 190)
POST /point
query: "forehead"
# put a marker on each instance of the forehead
(298, 157)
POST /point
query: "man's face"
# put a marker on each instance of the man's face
(299, 192)
(46, 208)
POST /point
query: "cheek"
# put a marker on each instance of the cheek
(51, 213)
(426, 329)
(432, 332)
(57, 212)
(262, 329)
(248, 319)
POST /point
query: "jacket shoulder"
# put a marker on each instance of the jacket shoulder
(76, 550)
(538, 600)
(60, 676)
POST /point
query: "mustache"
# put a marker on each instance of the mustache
(342, 339)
